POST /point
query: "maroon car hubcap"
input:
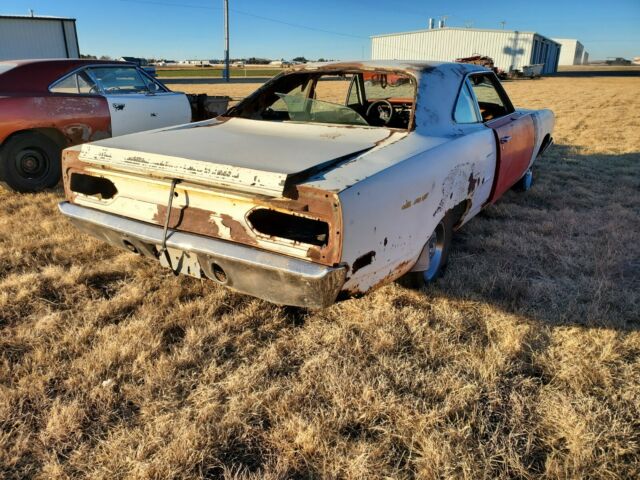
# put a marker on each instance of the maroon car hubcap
(31, 163)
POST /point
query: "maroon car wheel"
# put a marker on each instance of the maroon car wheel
(30, 162)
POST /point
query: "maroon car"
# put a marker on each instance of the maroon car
(48, 105)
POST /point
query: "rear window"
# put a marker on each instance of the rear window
(5, 67)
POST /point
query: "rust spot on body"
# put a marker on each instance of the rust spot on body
(363, 260)
(473, 184)
(238, 230)
(397, 272)
(189, 219)
(409, 204)
(421, 199)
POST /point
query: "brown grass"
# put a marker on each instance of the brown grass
(524, 361)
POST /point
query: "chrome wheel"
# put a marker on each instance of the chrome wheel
(433, 259)
(435, 249)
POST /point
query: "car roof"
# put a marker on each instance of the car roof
(35, 76)
(410, 66)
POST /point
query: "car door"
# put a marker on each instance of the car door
(514, 132)
(77, 109)
(168, 108)
(136, 102)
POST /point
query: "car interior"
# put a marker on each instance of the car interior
(492, 102)
(359, 98)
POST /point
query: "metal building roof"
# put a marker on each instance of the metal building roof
(493, 30)
(38, 17)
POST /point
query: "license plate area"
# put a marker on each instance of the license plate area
(181, 262)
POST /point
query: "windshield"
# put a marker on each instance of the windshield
(301, 109)
(120, 80)
(382, 85)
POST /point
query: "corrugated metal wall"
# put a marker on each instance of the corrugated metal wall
(546, 51)
(509, 49)
(72, 39)
(37, 38)
(572, 51)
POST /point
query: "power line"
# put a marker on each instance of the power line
(297, 25)
(169, 4)
(248, 14)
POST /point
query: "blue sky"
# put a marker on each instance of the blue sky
(337, 29)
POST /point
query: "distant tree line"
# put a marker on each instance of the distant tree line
(93, 57)
(248, 61)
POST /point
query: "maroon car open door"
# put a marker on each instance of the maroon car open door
(515, 136)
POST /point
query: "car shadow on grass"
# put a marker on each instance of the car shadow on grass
(565, 252)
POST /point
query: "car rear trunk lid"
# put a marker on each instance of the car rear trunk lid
(245, 155)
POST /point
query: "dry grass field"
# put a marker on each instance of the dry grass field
(523, 362)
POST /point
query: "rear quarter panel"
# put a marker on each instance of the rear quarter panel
(388, 217)
(544, 122)
(79, 118)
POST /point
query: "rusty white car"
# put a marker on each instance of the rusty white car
(327, 182)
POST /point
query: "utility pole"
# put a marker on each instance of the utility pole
(226, 40)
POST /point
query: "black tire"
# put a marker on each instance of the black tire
(30, 162)
(525, 183)
(443, 234)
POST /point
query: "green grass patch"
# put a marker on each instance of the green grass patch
(216, 72)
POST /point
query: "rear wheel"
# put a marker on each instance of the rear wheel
(30, 162)
(433, 257)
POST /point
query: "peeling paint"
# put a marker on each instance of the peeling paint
(238, 230)
(421, 198)
(473, 183)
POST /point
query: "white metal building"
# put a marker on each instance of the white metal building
(37, 37)
(509, 49)
(572, 52)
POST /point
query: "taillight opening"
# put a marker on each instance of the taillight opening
(93, 186)
(291, 227)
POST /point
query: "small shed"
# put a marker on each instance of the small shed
(23, 37)
(572, 52)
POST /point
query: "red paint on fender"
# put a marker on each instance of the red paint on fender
(78, 118)
(26, 103)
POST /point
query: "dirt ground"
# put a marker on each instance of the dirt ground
(522, 362)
